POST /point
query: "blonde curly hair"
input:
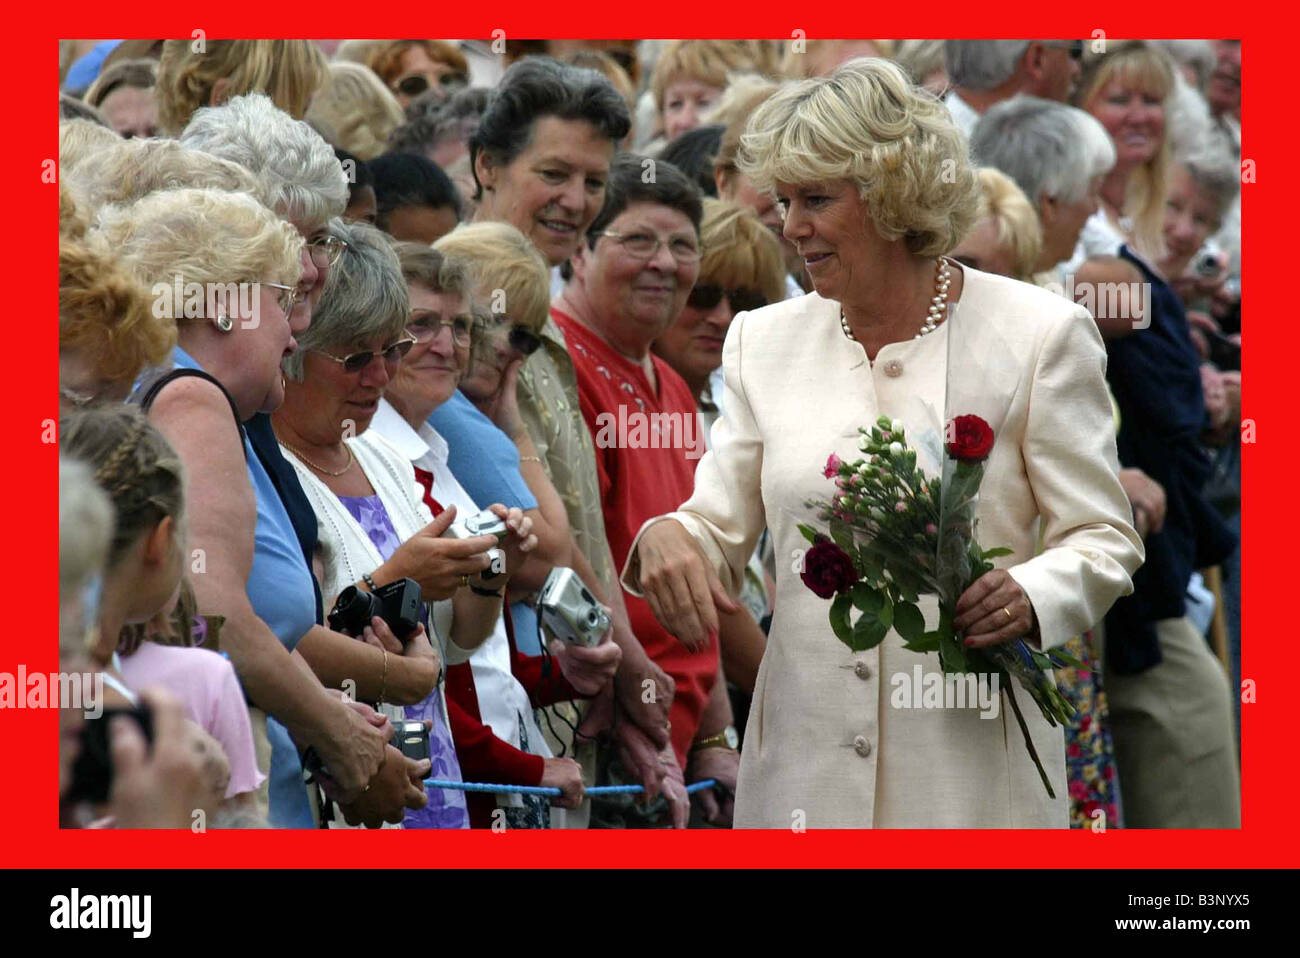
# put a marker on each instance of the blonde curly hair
(867, 123)
(104, 312)
(288, 71)
(202, 236)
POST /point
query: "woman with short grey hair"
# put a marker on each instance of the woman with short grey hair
(1057, 155)
(373, 528)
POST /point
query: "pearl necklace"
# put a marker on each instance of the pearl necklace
(938, 304)
(322, 469)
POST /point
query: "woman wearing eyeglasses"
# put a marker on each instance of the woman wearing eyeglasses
(373, 528)
(493, 689)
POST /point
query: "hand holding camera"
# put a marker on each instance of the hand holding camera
(437, 562)
(514, 540)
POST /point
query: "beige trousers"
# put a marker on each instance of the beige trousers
(1173, 731)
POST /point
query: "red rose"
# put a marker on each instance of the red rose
(969, 439)
(827, 569)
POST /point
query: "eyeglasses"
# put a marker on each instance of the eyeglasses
(288, 296)
(742, 300)
(1074, 46)
(325, 250)
(646, 246)
(416, 83)
(425, 325)
(391, 353)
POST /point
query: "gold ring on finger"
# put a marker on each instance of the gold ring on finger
(1008, 612)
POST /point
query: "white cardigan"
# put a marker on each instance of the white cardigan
(346, 550)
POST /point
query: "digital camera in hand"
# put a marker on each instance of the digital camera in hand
(411, 738)
(569, 611)
(92, 773)
(486, 523)
(397, 603)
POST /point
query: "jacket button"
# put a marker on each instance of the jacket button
(862, 670)
(862, 746)
(893, 368)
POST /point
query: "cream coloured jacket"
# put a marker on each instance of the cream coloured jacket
(826, 744)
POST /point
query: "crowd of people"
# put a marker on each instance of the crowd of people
(322, 302)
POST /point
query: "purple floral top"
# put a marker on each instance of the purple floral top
(446, 808)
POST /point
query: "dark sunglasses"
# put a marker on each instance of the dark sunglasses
(417, 83)
(742, 300)
(524, 340)
(358, 361)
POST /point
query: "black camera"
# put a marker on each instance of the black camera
(92, 773)
(397, 603)
(411, 738)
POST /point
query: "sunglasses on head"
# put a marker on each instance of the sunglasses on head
(356, 362)
(742, 300)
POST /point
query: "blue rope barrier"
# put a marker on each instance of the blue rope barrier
(597, 791)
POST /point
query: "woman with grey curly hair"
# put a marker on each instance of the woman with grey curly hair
(876, 188)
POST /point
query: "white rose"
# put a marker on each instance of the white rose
(895, 448)
(896, 426)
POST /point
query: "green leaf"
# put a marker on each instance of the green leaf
(929, 642)
(865, 598)
(840, 619)
(842, 535)
(997, 553)
(909, 623)
(808, 532)
(868, 632)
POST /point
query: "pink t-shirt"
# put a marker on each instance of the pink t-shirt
(206, 683)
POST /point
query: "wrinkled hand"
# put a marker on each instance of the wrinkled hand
(1147, 498)
(722, 764)
(566, 775)
(502, 407)
(399, 785)
(646, 705)
(588, 670)
(438, 563)
(674, 789)
(679, 583)
(994, 609)
(162, 786)
(354, 749)
(640, 757)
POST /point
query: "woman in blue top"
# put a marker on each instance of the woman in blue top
(246, 561)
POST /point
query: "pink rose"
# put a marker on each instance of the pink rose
(832, 466)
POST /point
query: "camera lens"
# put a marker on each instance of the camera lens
(354, 610)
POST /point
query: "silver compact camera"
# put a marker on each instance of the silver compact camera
(569, 611)
(484, 524)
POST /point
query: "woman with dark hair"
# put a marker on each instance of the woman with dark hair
(542, 151)
(694, 153)
(414, 199)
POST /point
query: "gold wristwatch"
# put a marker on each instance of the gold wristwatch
(727, 738)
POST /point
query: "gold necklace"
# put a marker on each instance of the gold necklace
(322, 469)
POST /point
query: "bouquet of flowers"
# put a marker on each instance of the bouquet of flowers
(895, 535)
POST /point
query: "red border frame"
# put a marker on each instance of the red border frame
(28, 832)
